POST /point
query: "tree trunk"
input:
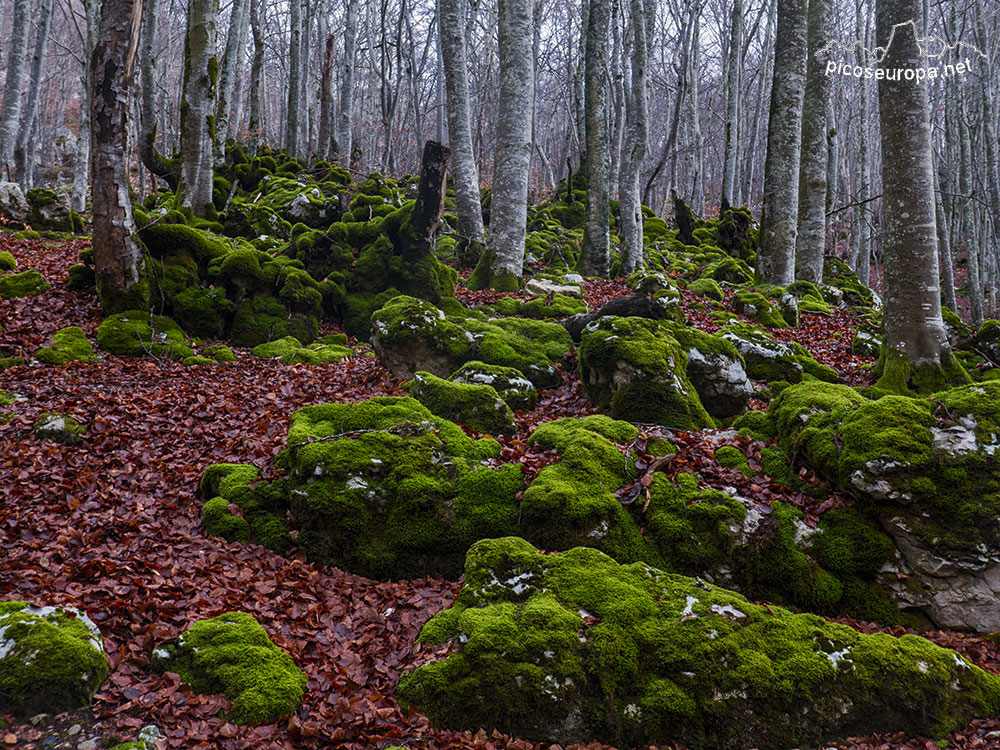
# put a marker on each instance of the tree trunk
(991, 135)
(811, 236)
(965, 189)
(452, 24)
(863, 252)
(595, 254)
(733, 95)
(294, 78)
(915, 352)
(345, 112)
(779, 222)
(92, 12)
(326, 100)
(118, 258)
(695, 142)
(10, 115)
(198, 108)
(24, 148)
(256, 75)
(151, 158)
(637, 139)
(232, 63)
(500, 267)
(944, 244)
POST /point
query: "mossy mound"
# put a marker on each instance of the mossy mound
(768, 359)
(707, 288)
(24, 284)
(636, 370)
(67, 345)
(517, 391)
(7, 261)
(716, 370)
(411, 335)
(51, 659)
(841, 276)
(134, 333)
(478, 407)
(232, 654)
(867, 341)
(59, 428)
(728, 270)
(758, 308)
(575, 647)
(219, 352)
(538, 308)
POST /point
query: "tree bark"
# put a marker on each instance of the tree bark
(256, 75)
(731, 144)
(810, 241)
(345, 111)
(10, 115)
(776, 261)
(500, 267)
(595, 254)
(325, 138)
(92, 13)
(637, 139)
(294, 78)
(198, 108)
(232, 63)
(452, 24)
(915, 350)
(24, 162)
(151, 158)
(118, 257)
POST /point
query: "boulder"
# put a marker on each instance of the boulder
(929, 471)
(134, 333)
(67, 345)
(51, 659)
(13, 206)
(478, 407)
(232, 654)
(759, 309)
(22, 284)
(717, 372)
(636, 370)
(59, 428)
(544, 287)
(574, 647)
(517, 391)
(768, 359)
(49, 210)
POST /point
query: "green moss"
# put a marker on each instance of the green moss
(262, 507)
(317, 354)
(278, 348)
(478, 407)
(22, 284)
(7, 261)
(67, 345)
(707, 287)
(755, 423)
(729, 270)
(59, 428)
(191, 361)
(263, 318)
(731, 457)
(134, 333)
(575, 647)
(220, 353)
(636, 370)
(232, 654)
(758, 308)
(218, 520)
(51, 659)
(510, 384)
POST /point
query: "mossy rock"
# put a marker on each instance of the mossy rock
(59, 428)
(232, 654)
(24, 284)
(194, 361)
(731, 457)
(67, 345)
(839, 275)
(219, 352)
(768, 359)
(478, 407)
(539, 308)
(728, 270)
(758, 308)
(7, 261)
(51, 659)
(278, 348)
(317, 354)
(707, 288)
(867, 341)
(134, 333)
(517, 392)
(636, 370)
(264, 318)
(262, 507)
(717, 371)
(575, 647)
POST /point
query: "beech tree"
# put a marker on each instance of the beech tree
(915, 351)
(10, 114)
(779, 219)
(733, 96)
(232, 61)
(23, 160)
(198, 108)
(595, 254)
(636, 139)
(118, 259)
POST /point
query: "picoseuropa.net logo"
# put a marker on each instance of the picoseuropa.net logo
(943, 60)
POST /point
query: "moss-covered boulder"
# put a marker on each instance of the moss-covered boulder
(51, 659)
(67, 345)
(517, 391)
(758, 308)
(24, 284)
(841, 276)
(768, 359)
(232, 654)
(716, 370)
(929, 470)
(13, 206)
(410, 335)
(7, 261)
(707, 288)
(59, 428)
(219, 352)
(134, 333)
(50, 210)
(636, 369)
(575, 647)
(867, 341)
(478, 407)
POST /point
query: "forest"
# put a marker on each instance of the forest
(499, 374)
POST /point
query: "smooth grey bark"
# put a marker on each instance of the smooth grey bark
(810, 241)
(991, 136)
(10, 114)
(915, 350)
(636, 137)
(509, 202)
(832, 162)
(345, 109)
(733, 97)
(760, 113)
(579, 87)
(232, 63)
(779, 222)
(863, 234)
(151, 158)
(294, 78)
(695, 142)
(81, 184)
(24, 146)
(254, 124)
(616, 99)
(944, 243)
(465, 173)
(595, 254)
(325, 139)
(198, 108)
(965, 189)
(118, 258)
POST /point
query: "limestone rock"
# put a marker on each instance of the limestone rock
(543, 287)
(13, 206)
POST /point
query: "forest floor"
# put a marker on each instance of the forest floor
(113, 527)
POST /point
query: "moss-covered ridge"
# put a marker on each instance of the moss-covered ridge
(51, 659)
(232, 654)
(575, 647)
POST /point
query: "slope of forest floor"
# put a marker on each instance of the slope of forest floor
(113, 527)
